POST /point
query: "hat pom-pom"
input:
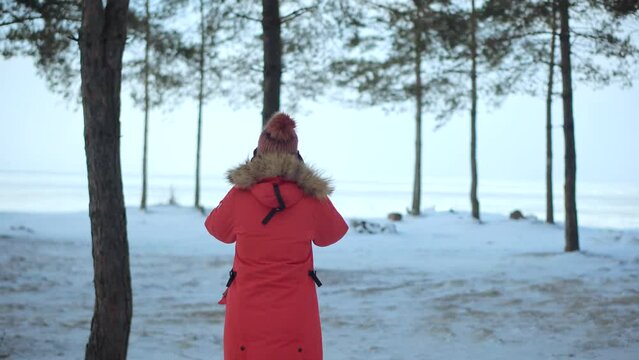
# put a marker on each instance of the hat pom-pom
(281, 127)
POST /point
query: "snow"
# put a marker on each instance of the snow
(442, 287)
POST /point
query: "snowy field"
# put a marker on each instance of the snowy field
(442, 287)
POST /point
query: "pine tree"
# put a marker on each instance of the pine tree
(550, 216)
(474, 202)
(272, 45)
(599, 52)
(296, 39)
(388, 49)
(102, 39)
(47, 31)
(154, 64)
(215, 31)
(570, 192)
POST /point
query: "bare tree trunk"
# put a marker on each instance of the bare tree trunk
(102, 39)
(550, 217)
(572, 231)
(417, 185)
(147, 35)
(200, 99)
(473, 113)
(272, 58)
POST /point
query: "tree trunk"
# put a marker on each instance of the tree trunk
(147, 35)
(550, 217)
(473, 113)
(102, 39)
(417, 185)
(572, 231)
(200, 99)
(272, 58)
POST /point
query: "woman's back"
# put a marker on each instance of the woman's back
(277, 208)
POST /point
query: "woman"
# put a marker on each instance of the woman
(276, 208)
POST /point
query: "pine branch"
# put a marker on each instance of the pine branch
(246, 17)
(520, 36)
(604, 37)
(20, 20)
(296, 13)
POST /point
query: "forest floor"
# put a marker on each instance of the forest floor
(441, 287)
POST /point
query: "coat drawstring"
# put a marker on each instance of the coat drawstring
(232, 275)
(281, 205)
(313, 275)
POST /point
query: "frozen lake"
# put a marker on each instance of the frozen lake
(599, 204)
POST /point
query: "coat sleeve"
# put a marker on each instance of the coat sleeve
(219, 223)
(329, 224)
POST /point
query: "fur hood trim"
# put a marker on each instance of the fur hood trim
(286, 166)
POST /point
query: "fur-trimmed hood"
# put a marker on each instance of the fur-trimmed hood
(286, 166)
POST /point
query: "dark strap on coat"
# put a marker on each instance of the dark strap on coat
(232, 275)
(313, 276)
(311, 273)
(281, 205)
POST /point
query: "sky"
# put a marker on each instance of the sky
(40, 131)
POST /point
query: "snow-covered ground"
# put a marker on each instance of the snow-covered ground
(442, 287)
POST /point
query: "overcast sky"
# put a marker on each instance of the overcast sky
(42, 132)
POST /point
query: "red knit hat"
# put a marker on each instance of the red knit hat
(278, 135)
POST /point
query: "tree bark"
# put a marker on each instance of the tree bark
(147, 35)
(272, 43)
(550, 217)
(102, 39)
(571, 227)
(200, 99)
(473, 113)
(417, 185)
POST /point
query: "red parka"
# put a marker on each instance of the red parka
(277, 207)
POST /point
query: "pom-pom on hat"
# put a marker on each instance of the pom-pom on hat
(278, 135)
